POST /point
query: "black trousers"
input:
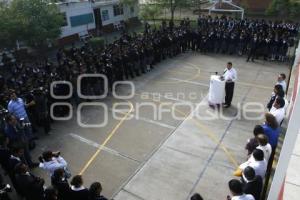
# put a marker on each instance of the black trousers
(229, 88)
(251, 55)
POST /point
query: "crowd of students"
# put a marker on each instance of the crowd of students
(255, 172)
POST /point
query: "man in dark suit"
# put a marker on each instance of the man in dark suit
(252, 183)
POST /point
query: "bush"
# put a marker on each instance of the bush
(97, 42)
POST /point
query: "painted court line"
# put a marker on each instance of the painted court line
(186, 81)
(144, 119)
(110, 135)
(96, 145)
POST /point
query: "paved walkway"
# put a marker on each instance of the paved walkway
(201, 155)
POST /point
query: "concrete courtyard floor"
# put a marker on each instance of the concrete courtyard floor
(141, 157)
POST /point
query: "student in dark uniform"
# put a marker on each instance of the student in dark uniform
(95, 192)
(31, 187)
(253, 46)
(78, 191)
(252, 183)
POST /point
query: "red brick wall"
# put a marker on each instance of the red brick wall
(254, 5)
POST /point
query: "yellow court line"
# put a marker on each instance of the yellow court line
(207, 132)
(111, 134)
(212, 136)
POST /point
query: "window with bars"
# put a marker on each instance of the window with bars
(105, 15)
(118, 9)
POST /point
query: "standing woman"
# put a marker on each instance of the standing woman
(271, 129)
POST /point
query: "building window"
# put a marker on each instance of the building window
(104, 15)
(132, 9)
(80, 20)
(118, 9)
(65, 21)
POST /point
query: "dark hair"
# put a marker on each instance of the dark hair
(258, 129)
(196, 196)
(279, 89)
(77, 181)
(47, 155)
(95, 189)
(20, 168)
(249, 173)
(271, 121)
(11, 91)
(283, 76)
(229, 63)
(280, 101)
(9, 117)
(235, 186)
(258, 154)
(58, 173)
(50, 193)
(262, 139)
(16, 148)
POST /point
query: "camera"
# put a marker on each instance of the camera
(23, 123)
(3, 112)
(6, 189)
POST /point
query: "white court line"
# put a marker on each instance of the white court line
(186, 81)
(144, 119)
(104, 148)
(171, 98)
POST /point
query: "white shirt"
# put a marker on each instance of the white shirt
(267, 149)
(259, 167)
(55, 163)
(243, 197)
(230, 75)
(278, 114)
(283, 84)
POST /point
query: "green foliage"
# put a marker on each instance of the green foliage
(32, 21)
(129, 2)
(284, 8)
(150, 11)
(172, 5)
(295, 9)
(97, 42)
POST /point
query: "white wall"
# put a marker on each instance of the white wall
(115, 19)
(80, 8)
(112, 19)
(74, 9)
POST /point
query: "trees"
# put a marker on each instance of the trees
(34, 22)
(284, 8)
(150, 11)
(172, 5)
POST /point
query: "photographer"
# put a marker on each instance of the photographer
(50, 161)
(16, 106)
